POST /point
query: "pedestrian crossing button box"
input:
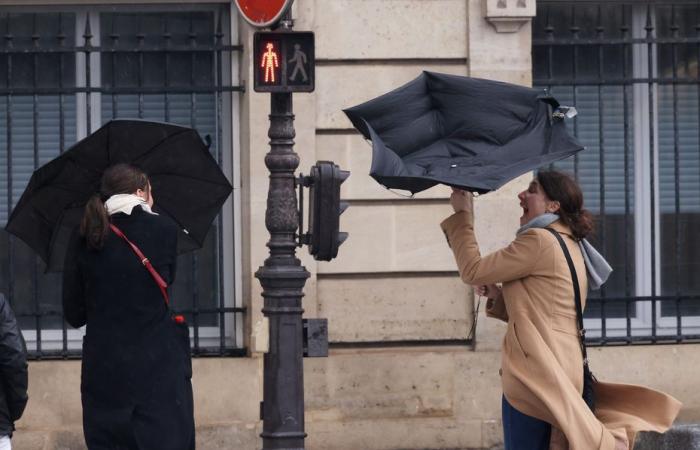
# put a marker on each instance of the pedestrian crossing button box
(284, 61)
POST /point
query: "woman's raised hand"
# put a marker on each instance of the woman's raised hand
(461, 200)
(487, 290)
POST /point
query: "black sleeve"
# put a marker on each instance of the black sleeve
(74, 302)
(13, 361)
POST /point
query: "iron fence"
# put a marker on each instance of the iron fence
(64, 72)
(631, 69)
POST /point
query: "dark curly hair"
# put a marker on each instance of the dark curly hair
(561, 187)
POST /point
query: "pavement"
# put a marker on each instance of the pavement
(680, 437)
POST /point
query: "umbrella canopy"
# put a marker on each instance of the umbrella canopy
(464, 132)
(187, 184)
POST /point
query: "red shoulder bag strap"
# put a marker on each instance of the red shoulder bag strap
(156, 276)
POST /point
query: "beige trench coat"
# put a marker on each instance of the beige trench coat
(542, 364)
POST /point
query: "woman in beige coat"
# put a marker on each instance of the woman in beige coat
(542, 362)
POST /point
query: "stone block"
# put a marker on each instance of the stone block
(498, 56)
(217, 402)
(67, 440)
(54, 395)
(478, 386)
(394, 308)
(376, 29)
(492, 434)
(405, 236)
(233, 436)
(361, 83)
(366, 385)
(24, 439)
(508, 16)
(404, 434)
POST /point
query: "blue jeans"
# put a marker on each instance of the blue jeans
(522, 432)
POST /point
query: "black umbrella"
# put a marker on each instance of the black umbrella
(465, 132)
(187, 183)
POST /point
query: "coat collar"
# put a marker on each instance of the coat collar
(560, 227)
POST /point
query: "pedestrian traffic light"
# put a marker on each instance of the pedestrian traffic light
(283, 61)
(325, 207)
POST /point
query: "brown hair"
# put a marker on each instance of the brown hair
(562, 188)
(117, 179)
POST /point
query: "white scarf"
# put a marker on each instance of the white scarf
(125, 203)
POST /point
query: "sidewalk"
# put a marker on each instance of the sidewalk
(680, 437)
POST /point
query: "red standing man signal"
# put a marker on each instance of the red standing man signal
(269, 63)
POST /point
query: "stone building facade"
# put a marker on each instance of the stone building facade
(401, 373)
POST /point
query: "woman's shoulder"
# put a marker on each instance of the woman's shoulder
(160, 221)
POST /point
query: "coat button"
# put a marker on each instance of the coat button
(500, 372)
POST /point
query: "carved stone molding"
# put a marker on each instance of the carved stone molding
(508, 16)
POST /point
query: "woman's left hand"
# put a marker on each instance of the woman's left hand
(461, 200)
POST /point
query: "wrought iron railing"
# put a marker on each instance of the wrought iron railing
(62, 74)
(632, 70)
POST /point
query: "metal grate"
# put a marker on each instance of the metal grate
(66, 72)
(632, 70)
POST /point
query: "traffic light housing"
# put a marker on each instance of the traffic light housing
(325, 207)
(283, 61)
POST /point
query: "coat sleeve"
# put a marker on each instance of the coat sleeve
(513, 262)
(74, 302)
(13, 361)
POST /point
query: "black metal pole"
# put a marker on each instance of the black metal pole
(283, 278)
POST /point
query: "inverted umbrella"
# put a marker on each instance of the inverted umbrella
(464, 132)
(187, 184)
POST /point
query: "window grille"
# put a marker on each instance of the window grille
(631, 69)
(66, 71)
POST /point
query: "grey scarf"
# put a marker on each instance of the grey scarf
(597, 267)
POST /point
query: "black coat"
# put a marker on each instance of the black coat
(13, 369)
(135, 385)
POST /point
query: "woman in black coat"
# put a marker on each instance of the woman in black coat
(13, 372)
(135, 382)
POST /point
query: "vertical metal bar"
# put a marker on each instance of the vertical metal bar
(62, 143)
(549, 30)
(139, 51)
(574, 28)
(601, 155)
(218, 73)
(649, 27)
(676, 169)
(87, 35)
(626, 50)
(167, 39)
(8, 118)
(114, 37)
(35, 151)
(61, 71)
(192, 36)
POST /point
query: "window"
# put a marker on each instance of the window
(65, 72)
(631, 70)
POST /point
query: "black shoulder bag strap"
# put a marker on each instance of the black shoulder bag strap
(577, 293)
(588, 378)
